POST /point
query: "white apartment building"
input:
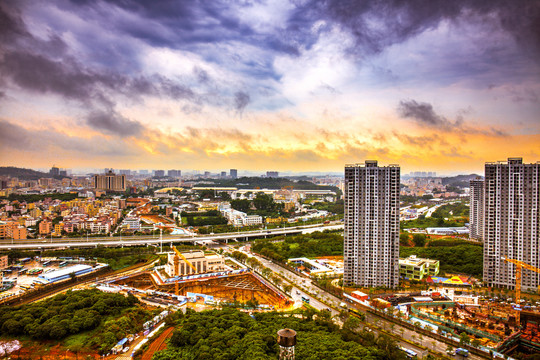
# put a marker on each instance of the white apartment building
(132, 223)
(239, 218)
(511, 222)
(476, 209)
(371, 236)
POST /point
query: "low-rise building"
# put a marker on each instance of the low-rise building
(132, 223)
(414, 268)
(45, 227)
(194, 262)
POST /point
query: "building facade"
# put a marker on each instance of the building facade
(110, 181)
(511, 222)
(233, 173)
(177, 266)
(371, 248)
(476, 210)
(415, 268)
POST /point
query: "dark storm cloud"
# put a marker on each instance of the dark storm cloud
(12, 135)
(11, 24)
(45, 66)
(376, 24)
(423, 114)
(241, 100)
(113, 123)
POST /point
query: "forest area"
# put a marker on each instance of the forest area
(97, 320)
(230, 334)
(308, 245)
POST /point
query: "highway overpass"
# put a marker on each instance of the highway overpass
(56, 243)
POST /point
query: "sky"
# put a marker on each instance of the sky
(300, 85)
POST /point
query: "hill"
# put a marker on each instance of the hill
(459, 180)
(26, 174)
(267, 183)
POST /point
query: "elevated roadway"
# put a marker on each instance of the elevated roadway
(55, 243)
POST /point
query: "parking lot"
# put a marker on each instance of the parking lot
(24, 279)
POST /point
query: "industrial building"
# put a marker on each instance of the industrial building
(371, 236)
(66, 273)
(415, 268)
(192, 262)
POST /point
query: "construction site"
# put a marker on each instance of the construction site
(205, 278)
(504, 325)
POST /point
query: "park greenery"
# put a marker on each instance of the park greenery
(262, 204)
(117, 258)
(457, 258)
(308, 245)
(212, 217)
(86, 318)
(458, 209)
(332, 207)
(424, 222)
(231, 334)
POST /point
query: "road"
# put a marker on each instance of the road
(150, 240)
(380, 322)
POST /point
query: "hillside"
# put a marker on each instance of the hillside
(459, 180)
(267, 183)
(25, 174)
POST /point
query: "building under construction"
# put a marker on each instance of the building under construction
(193, 262)
(208, 274)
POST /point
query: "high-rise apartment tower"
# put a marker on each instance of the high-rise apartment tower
(476, 209)
(511, 222)
(371, 248)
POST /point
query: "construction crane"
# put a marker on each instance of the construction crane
(519, 265)
(181, 256)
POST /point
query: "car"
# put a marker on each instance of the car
(451, 352)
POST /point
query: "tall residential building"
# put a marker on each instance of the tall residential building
(476, 209)
(272, 174)
(159, 173)
(511, 222)
(54, 171)
(233, 173)
(110, 181)
(371, 249)
(174, 173)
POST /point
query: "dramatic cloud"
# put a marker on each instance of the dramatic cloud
(288, 84)
(424, 115)
(113, 123)
(241, 100)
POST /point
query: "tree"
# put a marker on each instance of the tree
(475, 343)
(464, 338)
(419, 240)
(404, 239)
(351, 324)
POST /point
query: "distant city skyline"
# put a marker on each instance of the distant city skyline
(302, 86)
